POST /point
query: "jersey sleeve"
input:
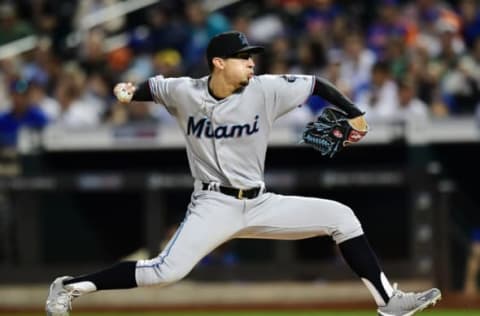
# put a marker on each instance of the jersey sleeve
(286, 92)
(163, 90)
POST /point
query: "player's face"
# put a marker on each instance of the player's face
(239, 69)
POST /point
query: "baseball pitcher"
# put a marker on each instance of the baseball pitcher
(226, 119)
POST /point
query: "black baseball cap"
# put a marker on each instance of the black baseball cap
(228, 44)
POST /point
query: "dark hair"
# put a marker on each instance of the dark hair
(210, 64)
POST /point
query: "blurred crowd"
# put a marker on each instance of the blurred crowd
(397, 60)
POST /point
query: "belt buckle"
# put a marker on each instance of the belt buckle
(240, 194)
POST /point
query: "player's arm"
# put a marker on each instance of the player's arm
(126, 92)
(324, 89)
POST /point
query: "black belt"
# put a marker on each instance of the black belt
(236, 193)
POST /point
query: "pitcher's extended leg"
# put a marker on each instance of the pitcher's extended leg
(291, 217)
(198, 234)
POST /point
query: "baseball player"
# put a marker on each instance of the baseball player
(226, 119)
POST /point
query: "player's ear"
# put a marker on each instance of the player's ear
(218, 62)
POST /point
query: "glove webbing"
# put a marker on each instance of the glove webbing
(322, 145)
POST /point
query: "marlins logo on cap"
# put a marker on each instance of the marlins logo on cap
(243, 38)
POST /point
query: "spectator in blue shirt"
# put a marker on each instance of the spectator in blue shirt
(21, 114)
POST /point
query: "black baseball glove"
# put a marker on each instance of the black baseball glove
(333, 130)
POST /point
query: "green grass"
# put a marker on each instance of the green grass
(251, 313)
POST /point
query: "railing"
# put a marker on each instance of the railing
(57, 138)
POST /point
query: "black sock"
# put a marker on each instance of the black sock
(362, 260)
(119, 276)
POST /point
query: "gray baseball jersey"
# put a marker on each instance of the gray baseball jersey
(226, 139)
(226, 145)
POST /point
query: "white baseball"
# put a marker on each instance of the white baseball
(122, 94)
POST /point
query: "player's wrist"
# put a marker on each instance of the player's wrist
(143, 93)
(354, 112)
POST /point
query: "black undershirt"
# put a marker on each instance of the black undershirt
(327, 91)
(143, 93)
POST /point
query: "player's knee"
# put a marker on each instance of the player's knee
(158, 272)
(348, 225)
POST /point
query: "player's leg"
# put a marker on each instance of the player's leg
(210, 220)
(292, 217)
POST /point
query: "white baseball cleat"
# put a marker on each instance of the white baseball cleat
(59, 300)
(407, 304)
